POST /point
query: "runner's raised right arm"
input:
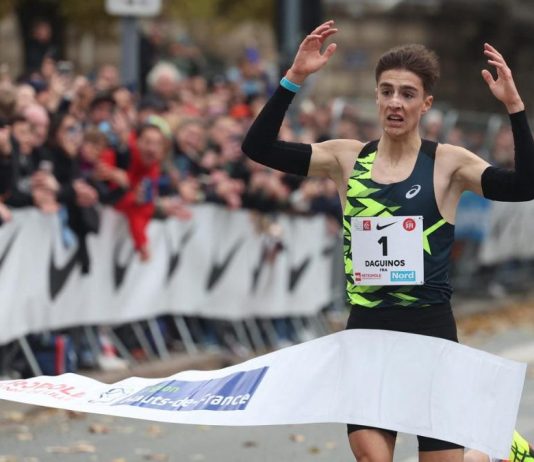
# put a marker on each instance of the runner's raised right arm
(261, 143)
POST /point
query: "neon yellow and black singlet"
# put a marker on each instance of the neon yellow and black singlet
(413, 196)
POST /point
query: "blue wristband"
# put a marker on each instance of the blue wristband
(289, 85)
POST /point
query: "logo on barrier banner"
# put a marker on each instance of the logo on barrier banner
(218, 268)
(230, 393)
(7, 249)
(121, 267)
(58, 275)
(176, 256)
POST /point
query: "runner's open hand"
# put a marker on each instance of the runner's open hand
(503, 88)
(309, 58)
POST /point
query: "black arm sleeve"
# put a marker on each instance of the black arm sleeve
(517, 185)
(261, 142)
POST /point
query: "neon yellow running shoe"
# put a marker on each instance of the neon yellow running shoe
(521, 451)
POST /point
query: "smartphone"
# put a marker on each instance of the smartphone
(65, 68)
(46, 166)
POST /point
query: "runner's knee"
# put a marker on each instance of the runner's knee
(372, 445)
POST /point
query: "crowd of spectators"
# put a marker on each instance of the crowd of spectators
(71, 142)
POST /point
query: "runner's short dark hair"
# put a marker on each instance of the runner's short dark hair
(415, 58)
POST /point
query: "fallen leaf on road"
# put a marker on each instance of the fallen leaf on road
(154, 431)
(509, 315)
(74, 415)
(250, 444)
(157, 457)
(296, 438)
(41, 414)
(314, 450)
(13, 416)
(330, 445)
(98, 428)
(120, 459)
(76, 448)
(8, 459)
(24, 436)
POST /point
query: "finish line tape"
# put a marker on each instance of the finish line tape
(404, 382)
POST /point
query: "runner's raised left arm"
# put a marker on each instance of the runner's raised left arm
(498, 183)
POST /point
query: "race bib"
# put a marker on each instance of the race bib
(387, 251)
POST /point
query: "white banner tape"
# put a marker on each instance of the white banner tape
(404, 382)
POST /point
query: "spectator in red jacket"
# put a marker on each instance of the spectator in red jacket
(146, 155)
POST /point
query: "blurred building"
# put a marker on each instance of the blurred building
(455, 29)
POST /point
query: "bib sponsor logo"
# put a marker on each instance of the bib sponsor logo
(230, 393)
(408, 224)
(367, 276)
(358, 277)
(413, 191)
(404, 276)
(381, 227)
(363, 225)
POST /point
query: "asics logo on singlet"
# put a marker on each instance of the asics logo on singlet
(414, 191)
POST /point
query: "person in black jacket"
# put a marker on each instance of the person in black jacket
(78, 197)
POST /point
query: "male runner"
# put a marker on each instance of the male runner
(399, 185)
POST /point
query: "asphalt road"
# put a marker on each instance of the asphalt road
(31, 434)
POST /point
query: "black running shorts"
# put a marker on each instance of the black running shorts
(435, 321)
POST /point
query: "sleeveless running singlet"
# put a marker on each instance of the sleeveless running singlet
(413, 196)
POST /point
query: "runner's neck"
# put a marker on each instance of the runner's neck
(394, 151)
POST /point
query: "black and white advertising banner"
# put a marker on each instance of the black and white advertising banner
(509, 237)
(405, 382)
(217, 265)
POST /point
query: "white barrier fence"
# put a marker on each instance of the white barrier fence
(511, 228)
(213, 266)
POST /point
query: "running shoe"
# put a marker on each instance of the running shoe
(521, 451)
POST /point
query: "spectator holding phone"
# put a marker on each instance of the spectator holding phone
(74, 192)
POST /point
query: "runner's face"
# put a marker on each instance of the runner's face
(401, 102)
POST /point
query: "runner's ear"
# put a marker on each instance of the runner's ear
(427, 104)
